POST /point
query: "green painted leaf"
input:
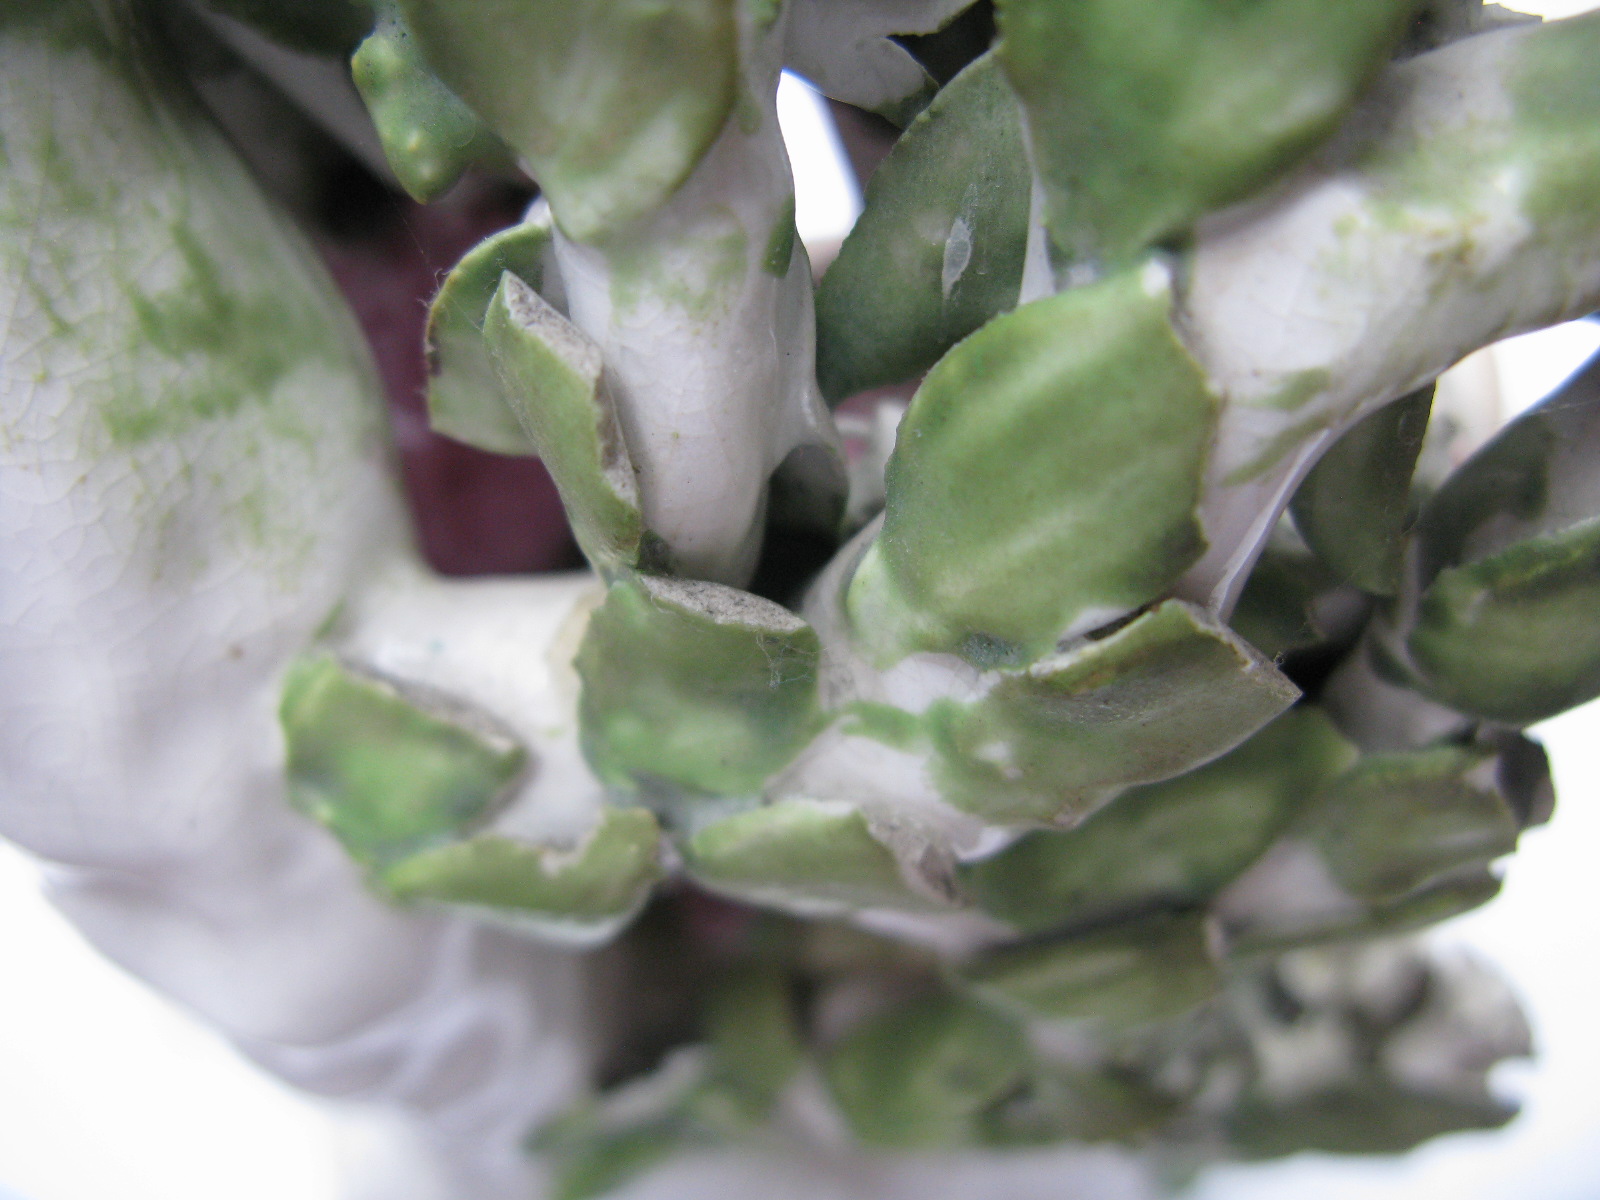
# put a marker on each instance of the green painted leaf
(550, 374)
(1397, 822)
(1084, 1105)
(602, 880)
(428, 134)
(1509, 564)
(1044, 480)
(1172, 844)
(1145, 114)
(610, 103)
(1053, 743)
(1119, 977)
(1355, 505)
(921, 1074)
(466, 399)
(938, 248)
(1273, 933)
(1371, 1116)
(800, 854)
(754, 1039)
(390, 772)
(1514, 637)
(696, 685)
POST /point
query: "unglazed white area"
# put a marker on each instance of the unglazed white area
(1344, 271)
(708, 355)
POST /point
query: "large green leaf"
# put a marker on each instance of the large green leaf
(695, 685)
(1143, 115)
(1044, 480)
(610, 103)
(1174, 843)
(1055, 742)
(938, 248)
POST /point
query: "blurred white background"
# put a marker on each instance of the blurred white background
(105, 1091)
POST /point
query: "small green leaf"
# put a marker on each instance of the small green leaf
(550, 374)
(1509, 566)
(611, 103)
(1514, 637)
(1371, 1116)
(1044, 480)
(1059, 1104)
(429, 136)
(600, 881)
(1173, 844)
(697, 685)
(1143, 115)
(1354, 506)
(1055, 742)
(1119, 977)
(800, 854)
(390, 772)
(921, 1074)
(754, 1038)
(466, 399)
(938, 248)
(1397, 822)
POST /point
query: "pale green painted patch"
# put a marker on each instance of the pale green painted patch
(428, 134)
(1172, 844)
(611, 103)
(1046, 473)
(800, 853)
(1514, 637)
(391, 773)
(921, 1075)
(1118, 977)
(1146, 114)
(938, 248)
(550, 374)
(1354, 507)
(1053, 743)
(1396, 823)
(701, 686)
(1298, 390)
(230, 342)
(1277, 447)
(466, 399)
(701, 272)
(1557, 97)
(603, 879)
